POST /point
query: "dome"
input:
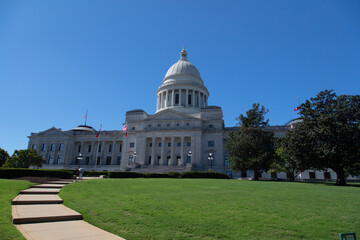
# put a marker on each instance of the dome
(183, 70)
(83, 128)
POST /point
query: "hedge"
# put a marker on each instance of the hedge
(196, 174)
(26, 172)
(125, 175)
(95, 173)
(193, 174)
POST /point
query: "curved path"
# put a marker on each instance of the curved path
(38, 213)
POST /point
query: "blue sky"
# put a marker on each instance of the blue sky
(59, 58)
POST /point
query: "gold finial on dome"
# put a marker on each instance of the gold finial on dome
(183, 54)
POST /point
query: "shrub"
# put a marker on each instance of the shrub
(25, 172)
(195, 174)
(95, 173)
(174, 174)
(156, 175)
(125, 175)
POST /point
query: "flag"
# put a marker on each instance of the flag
(297, 108)
(125, 128)
(86, 114)
(98, 134)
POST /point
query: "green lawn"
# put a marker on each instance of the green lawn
(8, 190)
(216, 209)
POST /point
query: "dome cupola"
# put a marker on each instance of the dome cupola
(182, 88)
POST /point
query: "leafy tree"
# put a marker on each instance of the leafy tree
(3, 156)
(251, 147)
(329, 135)
(24, 159)
(285, 160)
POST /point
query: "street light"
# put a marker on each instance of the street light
(189, 157)
(135, 157)
(211, 160)
(78, 159)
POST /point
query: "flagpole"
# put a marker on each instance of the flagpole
(86, 116)
(97, 150)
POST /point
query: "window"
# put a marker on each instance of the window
(100, 148)
(210, 126)
(79, 148)
(189, 98)
(160, 144)
(210, 143)
(120, 148)
(108, 160)
(179, 144)
(149, 125)
(158, 160)
(169, 144)
(52, 147)
(59, 159)
(327, 175)
(150, 144)
(87, 160)
(188, 159)
(132, 145)
(178, 124)
(51, 159)
(226, 162)
(110, 147)
(312, 175)
(43, 147)
(33, 146)
(98, 161)
(168, 125)
(149, 159)
(176, 98)
(187, 124)
(188, 144)
(118, 160)
(61, 146)
(89, 148)
(159, 125)
(133, 128)
(131, 159)
(168, 160)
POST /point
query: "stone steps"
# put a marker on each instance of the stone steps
(52, 185)
(40, 191)
(23, 199)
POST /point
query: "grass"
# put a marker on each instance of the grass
(8, 190)
(216, 209)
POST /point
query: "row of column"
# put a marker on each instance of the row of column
(164, 155)
(167, 98)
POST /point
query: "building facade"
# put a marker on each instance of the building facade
(183, 134)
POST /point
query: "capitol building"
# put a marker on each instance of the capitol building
(184, 134)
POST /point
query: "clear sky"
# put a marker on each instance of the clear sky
(59, 58)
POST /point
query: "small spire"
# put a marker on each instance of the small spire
(183, 54)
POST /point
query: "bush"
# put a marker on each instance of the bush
(125, 175)
(195, 174)
(95, 173)
(25, 172)
(174, 175)
(156, 175)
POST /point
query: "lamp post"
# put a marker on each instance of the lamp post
(188, 160)
(135, 157)
(78, 159)
(211, 160)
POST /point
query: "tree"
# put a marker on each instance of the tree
(251, 147)
(285, 160)
(24, 159)
(3, 156)
(329, 135)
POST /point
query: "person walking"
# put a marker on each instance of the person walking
(81, 172)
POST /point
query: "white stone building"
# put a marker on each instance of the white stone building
(183, 134)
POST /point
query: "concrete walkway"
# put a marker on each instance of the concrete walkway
(38, 213)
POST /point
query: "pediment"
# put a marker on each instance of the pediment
(52, 131)
(169, 115)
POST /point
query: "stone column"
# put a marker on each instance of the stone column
(82, 152)
(92, 155)
(166, 98)
(183, 161)
(173, 98)
(153, 151)
(187, 98)
(172, 154)
(162, 151)
(193, 97)
(113, 162)
(157, 102)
